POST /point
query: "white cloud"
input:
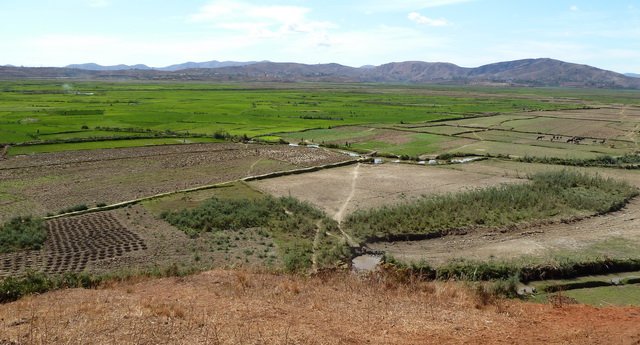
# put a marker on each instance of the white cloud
(260, 20)
(407, 5)
(420, 19)
(379, 45)
(62, 49)
(98, 3)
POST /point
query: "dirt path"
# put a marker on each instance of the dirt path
(340, 215)
(250, 170)
(354, 179)
(613, 234)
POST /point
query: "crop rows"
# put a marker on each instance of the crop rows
(73, 244)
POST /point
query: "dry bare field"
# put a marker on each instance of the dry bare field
(343, 190)
(47, 183)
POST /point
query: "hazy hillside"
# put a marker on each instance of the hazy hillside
(176, 67)
(96, 67)
(207, 64)
(528, 72)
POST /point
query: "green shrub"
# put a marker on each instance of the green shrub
(22, 233)
(297, 256)
(76, 208)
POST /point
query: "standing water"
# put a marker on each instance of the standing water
(366, 262)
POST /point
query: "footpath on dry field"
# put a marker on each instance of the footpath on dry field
(215, 185)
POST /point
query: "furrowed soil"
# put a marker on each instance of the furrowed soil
(237, 307)
(130, 239)
(47, 183)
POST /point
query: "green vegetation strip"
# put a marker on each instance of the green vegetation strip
(549, 195)
(627, 161)
(13, 288)
(22, 233)
(294, 225)
(562, 268)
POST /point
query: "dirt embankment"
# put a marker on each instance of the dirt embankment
(236, 307)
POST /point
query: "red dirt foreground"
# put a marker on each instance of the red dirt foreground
(236, 307)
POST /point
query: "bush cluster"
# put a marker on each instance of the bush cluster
(22, 233)
(627, 161)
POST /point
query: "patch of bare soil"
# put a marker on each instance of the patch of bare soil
(45, 183)
(373, 185)
(537, 240)
(235, 307)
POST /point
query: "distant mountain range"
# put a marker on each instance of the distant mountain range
(632, 75)
(528, 72)
(186, 65)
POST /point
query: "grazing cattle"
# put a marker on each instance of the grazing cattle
(540, 137)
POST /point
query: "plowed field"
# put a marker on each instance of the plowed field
(48, 183)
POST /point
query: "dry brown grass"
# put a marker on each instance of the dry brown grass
(239, 307)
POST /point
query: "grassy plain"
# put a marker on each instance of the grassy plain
(41, 111)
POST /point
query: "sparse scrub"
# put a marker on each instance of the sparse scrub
(292, 223)
(549, 195)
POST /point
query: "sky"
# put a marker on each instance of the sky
(469, 33)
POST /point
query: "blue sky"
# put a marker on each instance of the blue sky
(469, 33)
